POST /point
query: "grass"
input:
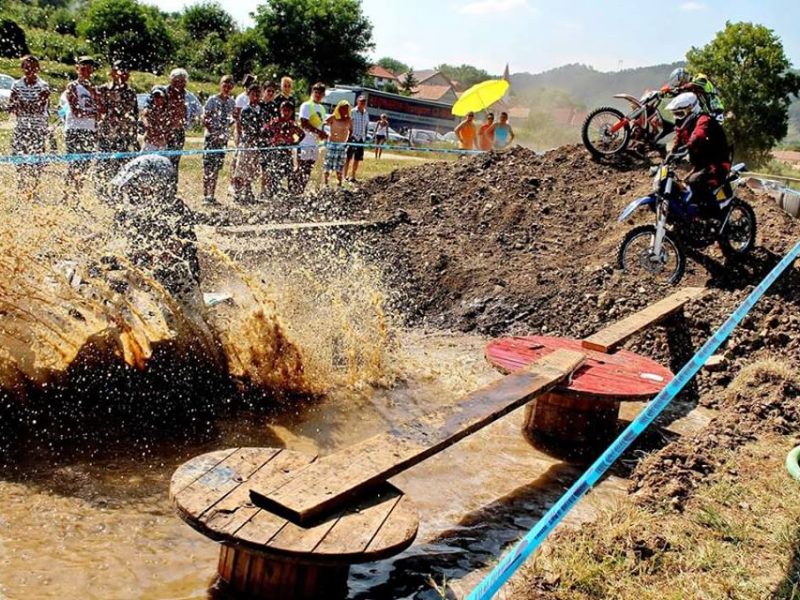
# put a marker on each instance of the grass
(738, 538)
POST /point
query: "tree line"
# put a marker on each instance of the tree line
(204, 38)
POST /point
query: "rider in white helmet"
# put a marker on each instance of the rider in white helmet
(680, 81)
(709, 154)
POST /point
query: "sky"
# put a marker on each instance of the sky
(536, 35)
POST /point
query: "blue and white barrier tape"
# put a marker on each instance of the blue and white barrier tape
(501, 573)
(33, 159)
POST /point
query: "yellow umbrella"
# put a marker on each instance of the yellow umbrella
(480, 96)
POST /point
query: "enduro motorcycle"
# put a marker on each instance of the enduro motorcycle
(606, 131)
(658, 249)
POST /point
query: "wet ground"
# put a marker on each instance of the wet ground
(103, 527)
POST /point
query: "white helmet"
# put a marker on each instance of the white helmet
(678, 77)
(684, 105)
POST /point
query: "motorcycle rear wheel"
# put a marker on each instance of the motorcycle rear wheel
(634, 256)
(739, 236)
(597, 136)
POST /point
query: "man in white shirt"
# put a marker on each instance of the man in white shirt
(80, 126)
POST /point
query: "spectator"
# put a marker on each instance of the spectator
(117, 118)
(80, 126)
(285, 95)
(312, 118)
(176, 107)
(156, 121)
(29, 101)
(466, 133)
(359, 124)
(282, 131)
(272, 111)
(502, 132)
(242, 102)
(217, 120)
(485, 134)
(341, 126)
(381, 134)
(248, 158)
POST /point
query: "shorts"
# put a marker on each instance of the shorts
(356, 152)
(79, 141)
(248, 163)
(28, 140)
(212, 162)
(379, 139)
(334, 157)
(278, 163)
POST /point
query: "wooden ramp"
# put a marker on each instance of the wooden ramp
(610, 338)
(333, 480)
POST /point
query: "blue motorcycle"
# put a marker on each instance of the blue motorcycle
(658, 250)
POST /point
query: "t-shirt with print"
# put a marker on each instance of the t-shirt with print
(316, 115)
(32, 109)
(219, 116)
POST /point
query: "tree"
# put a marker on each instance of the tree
(126, 29)
(466, 75)
(201, 20)
(391, 88)
(751, 71)
(63, 21)
(12, 39)
(408, 82)
(246, 52)
(323, 40)
(394, 65)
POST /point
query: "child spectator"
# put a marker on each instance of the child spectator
(155, 119)
(312, 118)
(248, 160)
(381, 134)
(30, 97)
(176, 107)
(340, 124)
(282, 131)
(217, 120)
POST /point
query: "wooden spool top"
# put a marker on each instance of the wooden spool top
(622, 375)
(211, 492)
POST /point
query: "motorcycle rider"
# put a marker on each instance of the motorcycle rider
(680, 81)
(158, 224)
(702, 137)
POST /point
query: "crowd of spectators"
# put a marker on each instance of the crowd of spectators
(263, 120)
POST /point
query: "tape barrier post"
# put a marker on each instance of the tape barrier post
(501, 573)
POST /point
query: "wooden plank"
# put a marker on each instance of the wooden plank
(608, 339)
(332, 480)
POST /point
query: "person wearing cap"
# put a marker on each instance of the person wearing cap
(117, 116)
(176, 107)
(155, 118)
(80, 125)
(29, 101)
(341, 126)
(312, 119)
(358, 135)
(217, 120)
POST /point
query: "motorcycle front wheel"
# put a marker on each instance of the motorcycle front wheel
(739, 235)
(597, 135)
(635, 256)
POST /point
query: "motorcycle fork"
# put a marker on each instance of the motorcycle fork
(661, 227)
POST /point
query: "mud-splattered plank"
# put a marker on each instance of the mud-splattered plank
(333, 480)
(613, 336)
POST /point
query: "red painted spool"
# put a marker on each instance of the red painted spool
(583, 411)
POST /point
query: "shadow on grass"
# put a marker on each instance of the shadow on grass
(789, 588)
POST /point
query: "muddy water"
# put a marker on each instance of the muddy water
(103, 527)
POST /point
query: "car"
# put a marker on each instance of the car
(450, 137)
(423, 137)
(194, 110)
(6, 81)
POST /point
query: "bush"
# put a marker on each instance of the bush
(59, 48)
(62, 21)
(12, 39)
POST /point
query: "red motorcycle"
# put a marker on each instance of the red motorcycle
(607, 131)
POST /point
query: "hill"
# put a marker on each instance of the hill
(591, 88)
